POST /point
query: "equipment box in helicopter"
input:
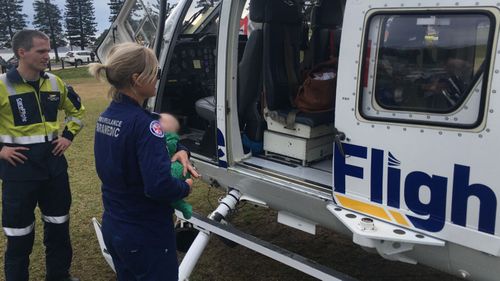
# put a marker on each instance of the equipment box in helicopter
(305, 150)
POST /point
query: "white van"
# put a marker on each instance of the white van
(79, 57)
(403, 161)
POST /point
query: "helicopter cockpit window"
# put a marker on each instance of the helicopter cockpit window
(198, 14)
(427, 63)
(142, 21)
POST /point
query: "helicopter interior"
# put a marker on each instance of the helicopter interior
(291, 40)
(282, 42)
(191, 77)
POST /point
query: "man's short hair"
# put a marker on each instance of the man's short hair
(24, 39)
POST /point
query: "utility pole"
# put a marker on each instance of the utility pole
(52, 35)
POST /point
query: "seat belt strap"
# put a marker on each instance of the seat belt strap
(332, 44)
(292, 78)
(290, 119)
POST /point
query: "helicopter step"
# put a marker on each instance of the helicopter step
(210, 225)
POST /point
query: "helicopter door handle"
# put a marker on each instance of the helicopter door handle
(113, 31)
(339, 137)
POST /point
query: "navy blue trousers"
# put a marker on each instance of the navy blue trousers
(137, 260)
(20, 198)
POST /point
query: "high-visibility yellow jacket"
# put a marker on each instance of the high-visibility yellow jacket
(29, 117)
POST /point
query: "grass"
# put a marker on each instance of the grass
(72, 73)
(218, 262)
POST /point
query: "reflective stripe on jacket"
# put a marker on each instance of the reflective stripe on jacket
(29, 117)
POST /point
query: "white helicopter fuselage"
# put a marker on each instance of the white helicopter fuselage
(425, 178)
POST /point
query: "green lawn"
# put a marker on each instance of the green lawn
(71, 73)
(218, 262)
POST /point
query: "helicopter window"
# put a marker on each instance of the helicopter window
(136, 15)
(197, 14)
(141, 21)
(427, 63)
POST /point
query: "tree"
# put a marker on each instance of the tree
(153, 8)
(80, 22)
(114, 7)
(11, 20)
(101, 37)
(48, 19)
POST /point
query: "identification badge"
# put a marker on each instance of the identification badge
(155, 129)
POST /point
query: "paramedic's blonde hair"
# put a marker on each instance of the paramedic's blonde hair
(122, 62)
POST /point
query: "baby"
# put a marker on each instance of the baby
(170, 127)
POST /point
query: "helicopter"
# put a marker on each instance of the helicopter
(402, 159)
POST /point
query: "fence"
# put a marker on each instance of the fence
(53, 66)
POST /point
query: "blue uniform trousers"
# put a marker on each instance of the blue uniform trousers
(137, 260)
(19, 199)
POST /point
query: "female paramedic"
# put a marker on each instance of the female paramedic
(134, 167)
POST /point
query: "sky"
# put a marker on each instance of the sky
(100, 6)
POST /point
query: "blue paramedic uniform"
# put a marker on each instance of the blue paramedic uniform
(137, 189)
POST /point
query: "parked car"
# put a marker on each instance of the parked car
(79, 57)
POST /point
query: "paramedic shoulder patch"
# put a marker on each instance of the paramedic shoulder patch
(155, 128)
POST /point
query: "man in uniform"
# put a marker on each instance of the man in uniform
(33, 168)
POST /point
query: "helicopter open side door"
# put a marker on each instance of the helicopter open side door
(138, 21)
